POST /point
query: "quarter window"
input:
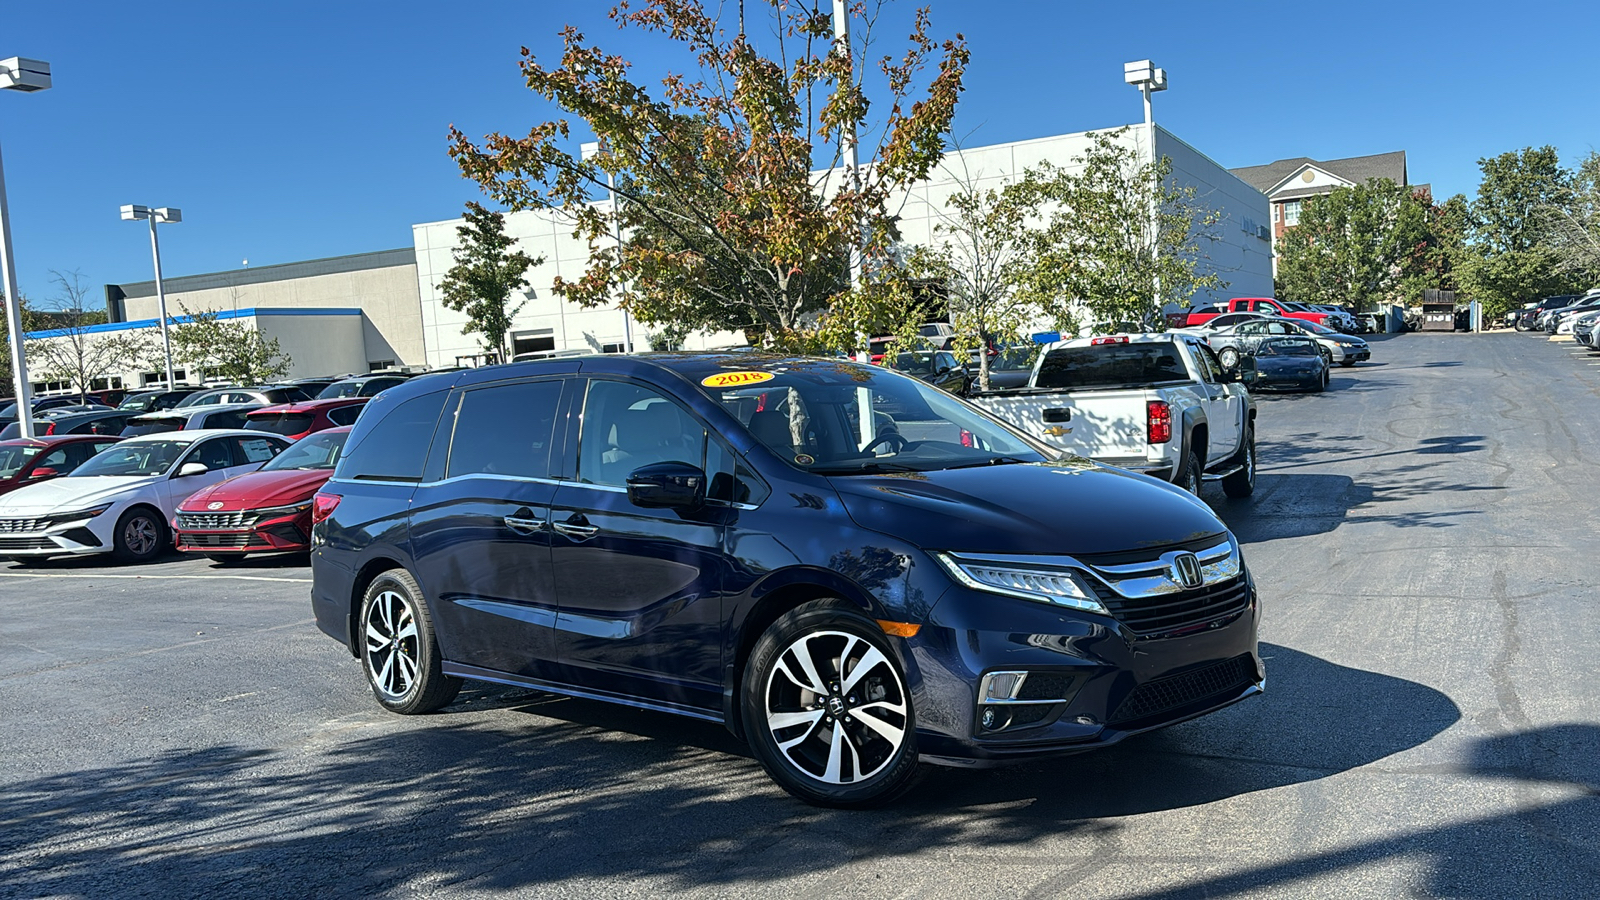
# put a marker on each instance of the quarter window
(505, 430)
(731, 480)
(626, 426)
(396, 447)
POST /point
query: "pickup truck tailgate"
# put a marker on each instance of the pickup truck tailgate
(1110, 424)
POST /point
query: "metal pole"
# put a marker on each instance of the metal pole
(1155, 211)
(616, 224)
(13, 301)
(847, 136)
(161, 301)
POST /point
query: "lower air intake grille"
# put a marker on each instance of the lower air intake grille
(1177, 691)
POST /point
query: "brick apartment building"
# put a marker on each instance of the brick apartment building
(1288, 182)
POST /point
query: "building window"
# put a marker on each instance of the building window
(1291, 213)
(380, 365)
(537, 340)
(1275, 208)
(613, 348)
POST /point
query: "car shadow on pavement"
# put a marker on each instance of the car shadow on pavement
(586, 792)
(1292, 505)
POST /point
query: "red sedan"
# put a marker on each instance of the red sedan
(25, 461)
(265, 511)
(296, 420)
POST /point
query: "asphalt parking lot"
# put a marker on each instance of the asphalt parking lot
(1424, 536)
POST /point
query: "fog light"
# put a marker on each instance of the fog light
(988, 717)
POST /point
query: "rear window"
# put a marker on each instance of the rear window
(154, 426)
(1111, 366)
(395, 448)
(283, 423)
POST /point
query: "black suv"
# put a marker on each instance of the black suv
(757, 541)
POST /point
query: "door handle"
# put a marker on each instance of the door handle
(523, 526)
(576, 528)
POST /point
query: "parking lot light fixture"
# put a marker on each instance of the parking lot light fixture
(170, 214)
(26, 76)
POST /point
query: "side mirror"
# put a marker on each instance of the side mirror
(667, 485)
(192, 468)
(42, 472)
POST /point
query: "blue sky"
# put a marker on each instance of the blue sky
(296, 130)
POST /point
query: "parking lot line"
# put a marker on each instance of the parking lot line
(167, 577)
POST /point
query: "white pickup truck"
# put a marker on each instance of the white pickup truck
(1160, 404)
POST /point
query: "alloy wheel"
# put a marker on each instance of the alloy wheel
(836, 707)
(392, 649)
(140, 536)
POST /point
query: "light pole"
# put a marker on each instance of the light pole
(1144, 75)
(26, 75)
(589, 150)
(134, 212)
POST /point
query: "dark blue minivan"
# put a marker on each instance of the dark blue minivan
(848, 568)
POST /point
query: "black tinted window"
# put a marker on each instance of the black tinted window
(153, 426)
(505, 430)
(731, 480)
(626, 426)
(223, 420)
(395, 448)
(1111, 365)
(280, 423)
(344, 415)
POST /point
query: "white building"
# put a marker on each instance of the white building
(1242, 256)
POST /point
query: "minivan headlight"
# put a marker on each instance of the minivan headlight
(1061, 587)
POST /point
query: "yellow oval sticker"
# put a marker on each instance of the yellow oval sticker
(735, 379)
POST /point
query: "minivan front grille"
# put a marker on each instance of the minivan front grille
(1162, 614)
(1174, 692)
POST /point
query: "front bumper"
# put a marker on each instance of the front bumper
(1355, 354)
(1113, 682)
(63, 538)
(284, 534)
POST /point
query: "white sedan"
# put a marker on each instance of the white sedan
(121, 500)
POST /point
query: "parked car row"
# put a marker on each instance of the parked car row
(1574, 314)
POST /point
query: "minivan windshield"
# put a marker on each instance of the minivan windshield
(810, 412)
(136, 459)
(319, 451)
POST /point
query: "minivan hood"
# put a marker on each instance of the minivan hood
(258, 489)
(1069, 507)
(66, 494)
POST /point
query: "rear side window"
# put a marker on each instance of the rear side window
(281, 423)
(395, 448)
(224, 420)
(255, 450)
(1111, 366)
(154, 426)
(344, 415)
(505, 430)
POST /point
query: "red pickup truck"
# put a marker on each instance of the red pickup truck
(1265, 305)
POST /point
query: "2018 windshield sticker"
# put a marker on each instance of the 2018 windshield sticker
(735, 379)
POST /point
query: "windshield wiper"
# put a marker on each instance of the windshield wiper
(991, 461)
(868, 469)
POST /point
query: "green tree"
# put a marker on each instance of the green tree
(226, 350)
(721, 159)
(486, 273)
(979, 253)
(1355, 246)
(73, 352)
(1510, 259)
(1118, 241)
(30, 322)
(1573, 229)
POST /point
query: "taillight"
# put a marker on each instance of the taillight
(323, 505)
(50, 429)
(966, 438)
(1102, 341)
(1159, 421)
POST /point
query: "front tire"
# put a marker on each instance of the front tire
(140, 536)
(398, 650)
(1242, 483)
(827, 710)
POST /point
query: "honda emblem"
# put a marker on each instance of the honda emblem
(1186, 570)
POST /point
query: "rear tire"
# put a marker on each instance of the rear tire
(140, 536)
(1242, 483)
(827, 710)
(1188, 474)
(398, 651)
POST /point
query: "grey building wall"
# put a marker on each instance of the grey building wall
(382, 285)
